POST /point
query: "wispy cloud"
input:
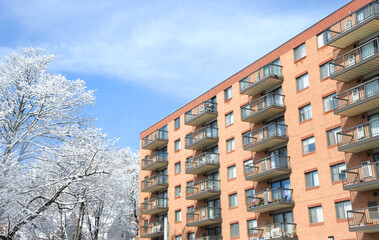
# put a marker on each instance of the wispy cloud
(177, 47)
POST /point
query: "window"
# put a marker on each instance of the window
(342, 208)
(315, 215)
(234, 230)
(332, 136)
(189, 188)
(177, 123)
(178, 216)
(305, 112)
(249, 192)
(233, 200)
(302, 82)
(178, 167)
(230, 145)
(250, 225)
(311, 179)
(177, 145)
(191, 236)
(300, 52)
(228, 93)
(337, 173)
(326, 69)
(178, 237)
(321, 40)
(232, 173)
(178, 191)
(330, 102)
(229, 119)
(308, 145)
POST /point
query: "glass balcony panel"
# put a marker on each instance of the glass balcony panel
(154, 183)
(155, 140)
(202, 113)
(201, 138)
(152, 230)
(267, 168)
(364, 220)
(202, 163)
(154, 206)
(265, 137)
(270, 200)
(279, 231)
(155, 161)
(203, 189)
(204, 216)
(263, 108)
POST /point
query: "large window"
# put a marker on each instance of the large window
(232, 172)
(177, 145)
(177, 123)
(229, 119)
(326, 69)
(178, 191)
(302, 82)
(308, 145)
(233, 200)
(234, 230)
(330, 102)
(305, 112)
(230, 145)
(300, 52)
(191, 236)
(315, 215)
(250, 225)
(321, 40)
(311, 179)
(333, 137)
(178, 216)
(228, 93)
(337, 173)
(342, 208)
(178, 168)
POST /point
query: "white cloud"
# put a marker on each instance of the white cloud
(178, 48)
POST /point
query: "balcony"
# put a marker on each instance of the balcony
(200, 114)
(202, 138)
(356, 63)
(364, 220)
(354, 27)
(261, 80)
(154, 140)
(268, 168)
(152, 230)
(204, 217)
(270, 200)
(202, 163)
(154, 206)
(359, 138)
(203, 189)
(362, 178)
(155, 161)
(278, 231)
(210, 238)
(154, 183)
(265, 137)
(361, 98)
(263, 108)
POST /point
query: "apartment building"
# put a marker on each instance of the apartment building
(287, 148)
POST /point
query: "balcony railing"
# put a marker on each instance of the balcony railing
(203, 189)
(152, 230)
(202, 163)
(354, 27)
(263, 108)
(210, 238)
(355, 63)
(202, 113)
(201, 138)
(267, 168)
(265, 137)
(359, 138)
(154, 183)
(204, 216)
(154, 140)
(280, 231)
(154, 206)
(262, 79)
(270, 200)
(155, 161)
(362, 178)
(364, 219)
(359, 99)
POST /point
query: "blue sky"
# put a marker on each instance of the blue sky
(147, 58)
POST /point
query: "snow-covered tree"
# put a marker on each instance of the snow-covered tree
(60, 178)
